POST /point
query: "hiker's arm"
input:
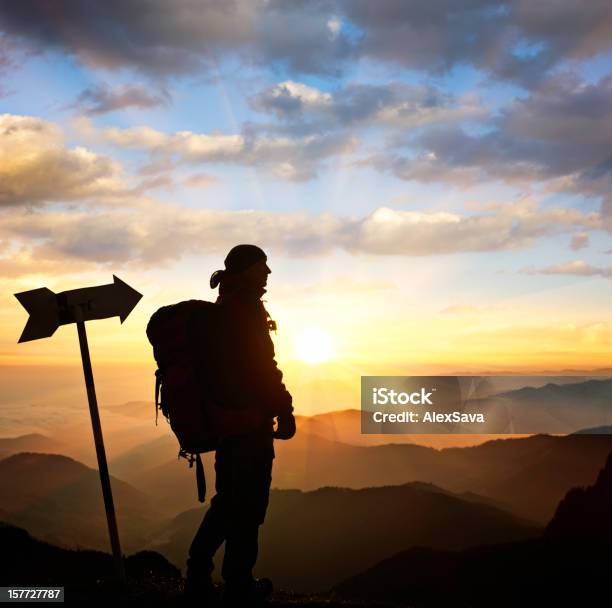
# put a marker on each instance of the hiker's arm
(274, 390)
(266, 382)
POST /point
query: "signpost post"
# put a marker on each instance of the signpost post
(47, 312)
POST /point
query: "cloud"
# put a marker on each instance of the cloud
(289, 98)
(514, 40)
(579, 241)
(36, 167)
(565, 111)
(27, 263)
(392, 105)
(578, 268)
(6, 53)
(101, 99)
(511, 226)
(198, 180)
(186, 36)
(152, 183)
(559, 134)
(159, 234)
(295, 158)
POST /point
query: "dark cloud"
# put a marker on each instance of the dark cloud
(305, 108)
(302, 35)
(565, 109)
(519, 40)
(560, 134)
(152, 36)
(101, 99)
(163, 38)
(5, 53)
(427, 36)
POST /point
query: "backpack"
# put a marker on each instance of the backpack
(187, 346)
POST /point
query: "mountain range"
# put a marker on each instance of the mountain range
(60, 500)
(569, 565)
(311, 540)
(528, 475)
(87, 576)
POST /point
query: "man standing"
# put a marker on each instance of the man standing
(248, 380)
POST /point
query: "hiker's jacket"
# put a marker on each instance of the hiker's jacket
(248, 373)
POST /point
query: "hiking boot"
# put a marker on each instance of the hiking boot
(253, 593)
(200, 592)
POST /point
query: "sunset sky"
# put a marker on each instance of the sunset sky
(431, 181)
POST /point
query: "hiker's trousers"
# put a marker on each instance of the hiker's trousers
(243, 467)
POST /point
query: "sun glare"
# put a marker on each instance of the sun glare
(313, 345)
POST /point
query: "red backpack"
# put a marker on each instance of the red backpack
(187, 346)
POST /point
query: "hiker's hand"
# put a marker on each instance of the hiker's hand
(285, 428)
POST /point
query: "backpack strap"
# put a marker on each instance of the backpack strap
(200, 478)
(158, 382)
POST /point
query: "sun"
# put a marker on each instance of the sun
(313, 345)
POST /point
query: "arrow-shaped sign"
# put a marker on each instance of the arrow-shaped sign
(49, 310)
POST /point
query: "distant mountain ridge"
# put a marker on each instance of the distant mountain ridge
(548, 466)
(555, 408)
(312, 540)
(529, 475)
(570, 565)
(586, 512)
(32, 442)
(593, 388)
(60, 500)
(87, 575)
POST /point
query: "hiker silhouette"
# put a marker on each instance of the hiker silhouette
(250, 380)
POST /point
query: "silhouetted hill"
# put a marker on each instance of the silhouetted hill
(33, 442)
(570, 565)
(86, 575)
(533, 483)
(537, 572)
(60, 500)
(530, 475)
(586, 512)
(597, 430)
(311, 540)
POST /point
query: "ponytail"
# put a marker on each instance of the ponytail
(216, 278)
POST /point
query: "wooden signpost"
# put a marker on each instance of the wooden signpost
(48, 311)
